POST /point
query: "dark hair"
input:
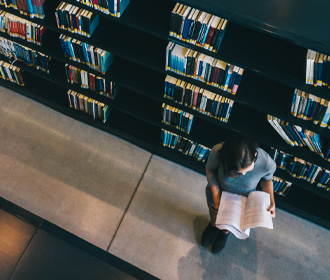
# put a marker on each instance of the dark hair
(237, 153)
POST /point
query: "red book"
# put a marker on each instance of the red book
(215, 76)
(209, 35)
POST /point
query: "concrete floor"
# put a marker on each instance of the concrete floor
(142, 208)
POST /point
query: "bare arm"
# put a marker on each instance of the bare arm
(267, 186)
(212, 181)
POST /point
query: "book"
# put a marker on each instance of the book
(114, 8)
(204, 68)
(238, 213)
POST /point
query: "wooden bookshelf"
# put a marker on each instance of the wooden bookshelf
(261, 38)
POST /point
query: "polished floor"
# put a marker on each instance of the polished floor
(29, 251)
(138, 207)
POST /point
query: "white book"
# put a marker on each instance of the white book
(238, 213)
(318, 170)
(231, 103)
(296, 105)
(274, 124)
(184, 17)
(311, 70)
(168, 49)
(326, 117)
(308, 67)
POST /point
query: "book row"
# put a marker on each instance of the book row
(317, 69)
(110, 7)
(197, 27)
(95, 58)
(177, 118)
(281, 186)
(19, 52)
(311, 108)
(201, 67)
(296, 136)
(31, 8)
(76, 20)
(21, 28)
(11, 73)
(90, 81)
(184, 145)
(301, 169)
(199, 99)
(88, 105)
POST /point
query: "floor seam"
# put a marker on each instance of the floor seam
(133, 195)
(24, 252)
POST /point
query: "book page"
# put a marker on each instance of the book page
(238, 234)
(256, 210)
(231, 210)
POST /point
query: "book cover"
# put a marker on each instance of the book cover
(239, 214)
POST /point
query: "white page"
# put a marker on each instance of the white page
(236, 232)
(231, 210)
(256, 210)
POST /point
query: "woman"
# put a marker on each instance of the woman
(235, 166)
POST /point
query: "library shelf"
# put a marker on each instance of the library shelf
(260, 38)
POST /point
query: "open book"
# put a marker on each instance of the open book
(238, 213)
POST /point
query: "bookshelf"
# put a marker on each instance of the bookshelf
(269, 41)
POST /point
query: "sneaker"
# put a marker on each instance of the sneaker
(209, 234)
(220, 242)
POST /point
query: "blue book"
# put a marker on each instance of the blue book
(294, 100)
(106, 60)
(186, 28)
(309, 102)
(311, 172)
(162, 136)
(326, 117)
(206, 31)
(30, 7)
(214, 107)
(224, 110)
(292, 166)
(323, 178)
(233, 78)
(226, 75)
(311, 109)
(328, 152)
(293, 134)
(316, 141)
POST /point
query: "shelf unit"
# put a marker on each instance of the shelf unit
(261, 38)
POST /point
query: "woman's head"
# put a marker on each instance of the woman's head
(237, 155)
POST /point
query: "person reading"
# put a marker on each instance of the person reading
(236, 166)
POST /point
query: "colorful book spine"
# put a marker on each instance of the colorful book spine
(199, 99)
(11, 73)
(317, 69)
(184, 145)
(114, 8)
(88, 105)
(177, 118)
(76, 20)
(31, 8)
(95, 58)
(24, 54)
(294, 135)
(281, 187)
(21, 28)
(311, 108)
(214, 72)
(302, 169)
(90, 81)
(197, 27)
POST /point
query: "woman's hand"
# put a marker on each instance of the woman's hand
(271, 208)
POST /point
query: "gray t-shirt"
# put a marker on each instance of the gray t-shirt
(263, 170)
